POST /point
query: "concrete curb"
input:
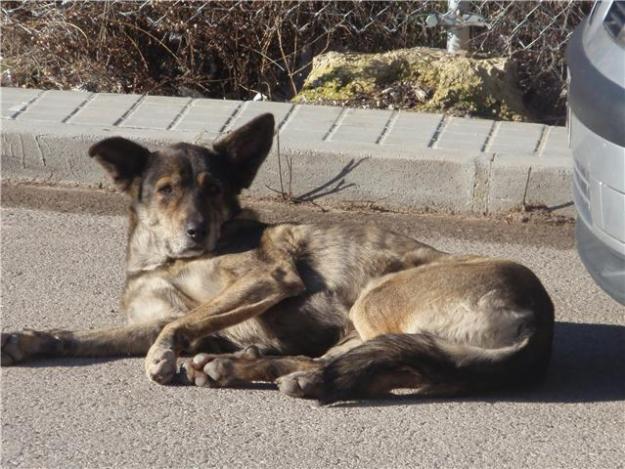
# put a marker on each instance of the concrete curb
(392, 158)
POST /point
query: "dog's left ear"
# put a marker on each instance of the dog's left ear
(247, 147)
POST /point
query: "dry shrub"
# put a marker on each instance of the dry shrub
(238, 49)
(535, 35)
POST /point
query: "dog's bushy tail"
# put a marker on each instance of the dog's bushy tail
(431, 364)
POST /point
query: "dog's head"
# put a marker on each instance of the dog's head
(182, 194)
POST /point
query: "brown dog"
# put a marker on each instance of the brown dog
(328, 312)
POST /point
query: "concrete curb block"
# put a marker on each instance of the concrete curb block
(393, 159)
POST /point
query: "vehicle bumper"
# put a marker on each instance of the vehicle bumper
(605, 266)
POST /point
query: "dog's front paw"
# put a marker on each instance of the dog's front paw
(160, 364)
(213, 370)
(19, 346)
(192, 372)
(305, 384)
(220, 370)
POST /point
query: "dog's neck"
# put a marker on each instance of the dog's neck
(145, 251)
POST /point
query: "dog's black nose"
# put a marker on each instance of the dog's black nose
(196, 230)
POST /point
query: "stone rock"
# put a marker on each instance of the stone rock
(419, 79)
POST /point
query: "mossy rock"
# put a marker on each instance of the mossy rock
(419, 79)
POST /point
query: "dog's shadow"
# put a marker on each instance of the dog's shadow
(588, 365)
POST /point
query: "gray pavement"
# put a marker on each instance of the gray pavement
(66, 269)
(395, 158)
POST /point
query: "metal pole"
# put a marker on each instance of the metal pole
(458, 37)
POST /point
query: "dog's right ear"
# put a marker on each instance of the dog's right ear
(124, 160)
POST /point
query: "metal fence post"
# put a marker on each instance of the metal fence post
(458, 36)
(458, 20)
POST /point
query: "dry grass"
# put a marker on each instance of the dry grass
(238, 49)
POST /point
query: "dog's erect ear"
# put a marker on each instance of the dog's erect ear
(123, 159)
(248, 147)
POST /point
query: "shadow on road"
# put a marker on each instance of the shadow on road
(588, 365)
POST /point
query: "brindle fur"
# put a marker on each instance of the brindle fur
(329, 312)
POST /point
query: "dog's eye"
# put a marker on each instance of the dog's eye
(165, 189)
(213, 189)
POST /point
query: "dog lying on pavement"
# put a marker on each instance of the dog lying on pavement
(326, 312)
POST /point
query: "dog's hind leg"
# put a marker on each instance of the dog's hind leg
(131, 340)
(485, 334)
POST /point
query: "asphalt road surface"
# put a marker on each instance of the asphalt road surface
(66, 270)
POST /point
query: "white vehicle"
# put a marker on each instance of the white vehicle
(596, 61)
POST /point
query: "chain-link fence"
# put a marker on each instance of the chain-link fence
(239, 49)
